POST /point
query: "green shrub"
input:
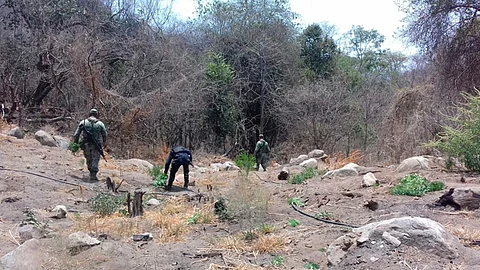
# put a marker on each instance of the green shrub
(415, 185)
(462, 138)
(245, 162)
(293, 223)
(312, 266)
(301, 177)
(159, 178)
(277, 261)
(107, 204)
(193, 219)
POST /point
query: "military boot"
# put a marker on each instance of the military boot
(185, 184)
(93, 176)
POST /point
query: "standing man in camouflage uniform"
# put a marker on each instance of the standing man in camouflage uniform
(261, 153)
(93, 139)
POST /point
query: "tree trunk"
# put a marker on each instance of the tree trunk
(137, 206)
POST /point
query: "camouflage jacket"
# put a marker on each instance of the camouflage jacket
(261, 147)
(94, 127)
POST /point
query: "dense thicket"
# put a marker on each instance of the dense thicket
(238, 69)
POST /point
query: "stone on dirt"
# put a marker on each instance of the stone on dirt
(467, 198)
(153, 202)
(139, 163)
(45, 139)
(284, 174)
(28, 232)
(142, 237)
(16, 132)
(59, 211)
(298, 160)
(316, 153)
(369, 180)
(62, 142)
(80, 241)
(340, 247)
(309, 163)
(413, 164)
(25, 256)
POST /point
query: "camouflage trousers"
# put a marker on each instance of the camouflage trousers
(92, 155)
(262, 159)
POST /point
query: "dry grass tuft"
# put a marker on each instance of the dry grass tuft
(167, 225)
(339, 160)
(267, 243)
(240, 266)
(270, 243)
(466, 236)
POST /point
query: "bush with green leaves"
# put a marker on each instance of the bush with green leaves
(312, 266)
(293, 223)
(245, 162)
(301, 177)
(159, 178)
(107, 204)
(277, 261)
(415, 185)
(462, 138)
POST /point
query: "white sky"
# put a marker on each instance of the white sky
(382, 15)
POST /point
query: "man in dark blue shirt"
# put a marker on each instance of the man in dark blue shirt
(179, 156)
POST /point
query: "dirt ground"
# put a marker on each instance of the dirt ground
(211, 244)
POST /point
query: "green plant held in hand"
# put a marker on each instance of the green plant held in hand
(312, 266)
(415, 185)
(74, 147)
(245, 162)
(277, 261)
(293, 223)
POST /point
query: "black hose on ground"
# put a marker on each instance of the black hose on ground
(323, 220)
(39, 175)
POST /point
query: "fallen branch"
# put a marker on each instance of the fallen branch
(202, 255)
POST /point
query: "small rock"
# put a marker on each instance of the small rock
(298, 160)
(309, 163)
(80, 241)
(283, 175)
(372, 205)
(374, 259)
(28, 232)
(369, 180)
(153, 202)
(16, 132)
(59, 211)
(45, 139)
(142, 237)
(10, 199)
(390, 239)
(316, 153)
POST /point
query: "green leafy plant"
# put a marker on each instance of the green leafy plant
(277, 261)
(107, 204)
(193, 219)
(312, 266)
(415, 185)
(462, 139)
(324, 215)
(245, 162)
(159, 178)
(301, 177)
(249, 235)
(74, 147)
(266, 228)
(295, 201)
(293, 223)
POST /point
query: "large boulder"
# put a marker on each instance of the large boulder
(80, 241)
(298, 160)
(309, 163)
(45, 139)
(62, 142)
(29, 255)
(381, 237)
(16, 132)
(413, 164)
(351, 169)
(138, 163)
(464, 198)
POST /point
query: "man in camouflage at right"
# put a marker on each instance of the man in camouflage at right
(261, 153)
(93, 139)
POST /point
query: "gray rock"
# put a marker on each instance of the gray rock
(340, 247)
(298, 160)
(413, 164)
(45, 139)
(29, 255)
(59, 211)
(142, 237)
(62, 142)
(16, 132)
(390, 239)
(424, 234)
(80, 241)
(153, 202)
(369, 180)
(316, 153)
(342, 172)
(28, 232)
(139, 163)
(309, 163)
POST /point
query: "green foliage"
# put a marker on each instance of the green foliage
(107, 204)
(74, 147)
(295, 201)
(218, 72)
(415, 185)
(324, 215)
(249, 235)
(318, 52)
(463, 141)
(193, 219)
(293, 223)
(277, 261)
(159, 178)
(266, 228)
(220, 209)
(312, 266)
(300, 178)
(245, 162)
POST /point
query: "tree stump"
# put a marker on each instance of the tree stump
(137, 204)
(461, 198)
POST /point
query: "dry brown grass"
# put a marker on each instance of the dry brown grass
(339, 160)
(240, 266)
(264, 243)
(167, 225)
(466, 236)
